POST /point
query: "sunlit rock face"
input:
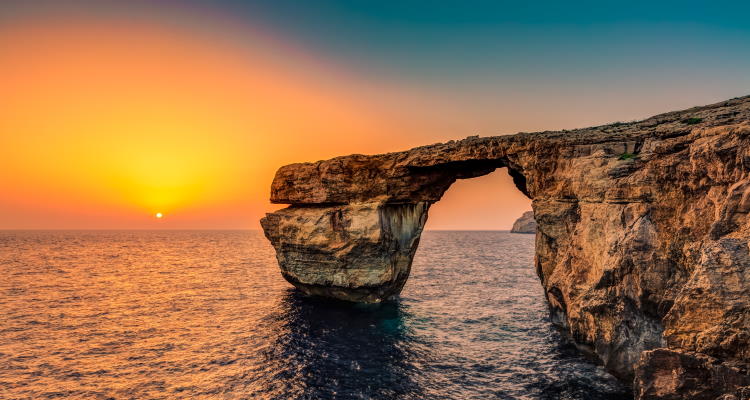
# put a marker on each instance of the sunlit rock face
(357, 252)
(642, 239)
(525, 224)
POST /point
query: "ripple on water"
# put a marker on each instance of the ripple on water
(205, 314)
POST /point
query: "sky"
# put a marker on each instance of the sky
(113, 111)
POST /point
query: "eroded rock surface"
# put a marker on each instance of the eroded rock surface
(525, 224)
(665, 374)
(642, 239)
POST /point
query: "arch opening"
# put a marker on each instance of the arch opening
(488, 202)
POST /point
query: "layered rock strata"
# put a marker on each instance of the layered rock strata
(525, 224)
(641, 246)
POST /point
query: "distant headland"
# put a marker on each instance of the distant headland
(525, 224)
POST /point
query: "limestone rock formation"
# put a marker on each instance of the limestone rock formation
(525, 224)
(672, 375)
(641, 246)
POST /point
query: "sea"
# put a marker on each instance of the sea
(206, 315)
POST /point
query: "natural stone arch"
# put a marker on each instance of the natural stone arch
(641, 243)
(363, 250)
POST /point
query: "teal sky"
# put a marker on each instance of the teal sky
(484, 45)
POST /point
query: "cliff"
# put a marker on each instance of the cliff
(641, 246)
(525, 224)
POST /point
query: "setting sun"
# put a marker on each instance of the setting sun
(500, 163)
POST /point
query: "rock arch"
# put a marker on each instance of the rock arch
(356, 241)
(642, 238)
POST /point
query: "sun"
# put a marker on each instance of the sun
(159, 215)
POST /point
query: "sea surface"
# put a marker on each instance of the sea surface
(206, 315)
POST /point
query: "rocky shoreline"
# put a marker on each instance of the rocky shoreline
(641, 244)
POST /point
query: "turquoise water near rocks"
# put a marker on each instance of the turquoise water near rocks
(205, 314)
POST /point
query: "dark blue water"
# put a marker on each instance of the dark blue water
(205, 314)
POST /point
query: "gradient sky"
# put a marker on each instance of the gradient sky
(111, 111)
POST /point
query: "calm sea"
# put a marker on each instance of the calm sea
(205, 314)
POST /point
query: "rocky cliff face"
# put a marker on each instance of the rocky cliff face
(525, 224)
(641, 247)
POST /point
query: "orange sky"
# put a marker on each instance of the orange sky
(105, 121)
(104, 124)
